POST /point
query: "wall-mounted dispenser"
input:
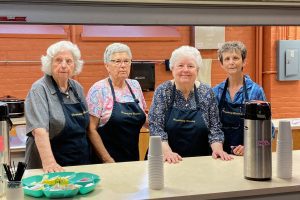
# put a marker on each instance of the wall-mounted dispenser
(288, 66)
(144, 73)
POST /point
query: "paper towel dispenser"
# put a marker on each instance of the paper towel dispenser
(144, 73)
(288, 66)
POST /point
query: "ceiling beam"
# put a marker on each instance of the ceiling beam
(166, 12)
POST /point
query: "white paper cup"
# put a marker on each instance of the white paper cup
(284, 150)
(155, 146)
(284, 131)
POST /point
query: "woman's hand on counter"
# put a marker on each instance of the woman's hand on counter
(217, 151)
(238, 150)
(108, 160)
(169, 155)
(52, 166)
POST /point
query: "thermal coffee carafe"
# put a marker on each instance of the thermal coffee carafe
(257, 141)
(5, 126)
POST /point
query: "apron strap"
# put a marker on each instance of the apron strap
(245, 90)
(223, 97)
(135, 99)
(57, 90)
(113, 91)
(60, 97)
(196, 97)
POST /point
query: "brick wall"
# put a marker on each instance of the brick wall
(17, 77)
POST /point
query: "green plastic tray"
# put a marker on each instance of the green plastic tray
(87, 181)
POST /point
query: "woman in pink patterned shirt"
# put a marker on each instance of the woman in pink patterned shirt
(117, 109)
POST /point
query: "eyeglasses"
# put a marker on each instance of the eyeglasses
(60, 61)
(119, 62)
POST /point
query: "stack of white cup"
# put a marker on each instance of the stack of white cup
(284, 150)
(155, 164)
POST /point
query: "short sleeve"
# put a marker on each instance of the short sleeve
(36, 110)
(94, 101)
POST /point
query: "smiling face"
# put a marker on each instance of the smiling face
(185, 71)
(233, 63)
(63, 66)
(119, 66)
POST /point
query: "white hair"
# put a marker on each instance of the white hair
(57, 47)
(115, 48)
(186, 51)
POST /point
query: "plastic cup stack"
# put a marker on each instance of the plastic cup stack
(155, 164)
(284, 150)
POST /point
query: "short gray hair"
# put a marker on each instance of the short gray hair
(116, 48)
(186, 51)
(57, 47)
(232, 46)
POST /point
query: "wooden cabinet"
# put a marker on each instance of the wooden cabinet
(143, 142)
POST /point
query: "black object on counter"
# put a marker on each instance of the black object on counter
(15, 106)
(256, 110)
(14, 174)
(4, 114)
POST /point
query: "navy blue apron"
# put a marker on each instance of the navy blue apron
(186, 129)
(120, 135)
(232, 119)
(70, 146)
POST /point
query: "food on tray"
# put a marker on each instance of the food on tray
(57, 187)
(85, 180)
(56, 180)
(36, 186)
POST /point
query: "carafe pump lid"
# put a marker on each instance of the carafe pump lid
(258, 110)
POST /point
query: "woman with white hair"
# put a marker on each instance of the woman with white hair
(184, 111)
(56, 112)
(117, 109)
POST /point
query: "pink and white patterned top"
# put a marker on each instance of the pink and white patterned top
(100, 100)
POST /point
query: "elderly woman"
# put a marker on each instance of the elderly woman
(184, 111)
(117, 109)
(233, 93)
(56, 112)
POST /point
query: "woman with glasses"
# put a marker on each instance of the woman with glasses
(117, 109)
(233, 93)
(56, 112)
(184, 111)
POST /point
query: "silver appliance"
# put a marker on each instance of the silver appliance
(5, 126)
(257, 141)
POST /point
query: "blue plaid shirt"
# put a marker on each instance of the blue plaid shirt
(255, 92)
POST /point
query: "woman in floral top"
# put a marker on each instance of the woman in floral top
(117, 109)
(184, 111)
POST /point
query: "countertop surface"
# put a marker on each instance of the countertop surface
(18, 121)
(295, 122)
(197, 177)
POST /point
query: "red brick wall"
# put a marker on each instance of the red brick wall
(16, 78)
(284, 95)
